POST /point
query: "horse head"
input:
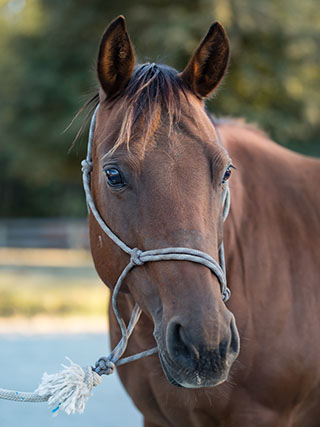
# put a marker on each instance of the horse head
(159, 180)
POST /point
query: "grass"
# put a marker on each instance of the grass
(28, 293)
(50, 282)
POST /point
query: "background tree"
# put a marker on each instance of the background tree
(47, 70)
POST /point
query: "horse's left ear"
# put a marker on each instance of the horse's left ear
(116, 58)
(209, 62)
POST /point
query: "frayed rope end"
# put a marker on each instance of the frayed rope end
(69, 389)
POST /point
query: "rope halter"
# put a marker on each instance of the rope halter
(139, 257)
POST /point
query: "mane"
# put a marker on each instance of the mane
(239, 122)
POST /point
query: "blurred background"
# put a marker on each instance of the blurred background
(47, 71)
(48, 287)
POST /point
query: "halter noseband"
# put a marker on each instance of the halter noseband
(106, 365)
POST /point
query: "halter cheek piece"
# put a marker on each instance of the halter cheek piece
(106, 365)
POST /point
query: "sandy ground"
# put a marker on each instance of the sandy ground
(45, 257)
(24, 358)
(52, 325)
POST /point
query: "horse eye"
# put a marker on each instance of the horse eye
(114, 178)
(226, 175)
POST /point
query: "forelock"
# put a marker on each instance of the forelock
(153, 96)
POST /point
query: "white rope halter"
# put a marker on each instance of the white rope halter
(139, 257)
(70, 389)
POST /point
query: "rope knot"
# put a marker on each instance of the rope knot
(104, 366)
(86, 166)
(69, 389)
(226, 295)
(135, 256)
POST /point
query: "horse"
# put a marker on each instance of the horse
(161, 165)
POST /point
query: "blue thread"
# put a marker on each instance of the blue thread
(18, 394)
(56, 409)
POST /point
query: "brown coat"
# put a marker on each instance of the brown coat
(170, 164)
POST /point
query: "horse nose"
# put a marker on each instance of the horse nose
(190, 351)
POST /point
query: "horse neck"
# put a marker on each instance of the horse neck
(273, 191)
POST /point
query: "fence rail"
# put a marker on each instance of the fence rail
(44, 233)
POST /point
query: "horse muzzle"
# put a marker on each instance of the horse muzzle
(191, 362)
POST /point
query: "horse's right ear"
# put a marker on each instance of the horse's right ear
(116, 58)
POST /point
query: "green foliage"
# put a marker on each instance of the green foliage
(47, 70)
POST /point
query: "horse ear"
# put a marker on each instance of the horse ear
(116, 58)
(209, 62)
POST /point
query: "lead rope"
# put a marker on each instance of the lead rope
(70, 389)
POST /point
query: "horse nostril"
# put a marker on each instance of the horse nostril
(179, 346)
(229, 346)
(224, 346)
(191, 349)
(235, 340)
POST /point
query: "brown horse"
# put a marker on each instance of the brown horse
(160, 167)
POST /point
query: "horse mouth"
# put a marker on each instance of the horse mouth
(180, 377)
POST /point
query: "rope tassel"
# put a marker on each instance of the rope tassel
(69, 389)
